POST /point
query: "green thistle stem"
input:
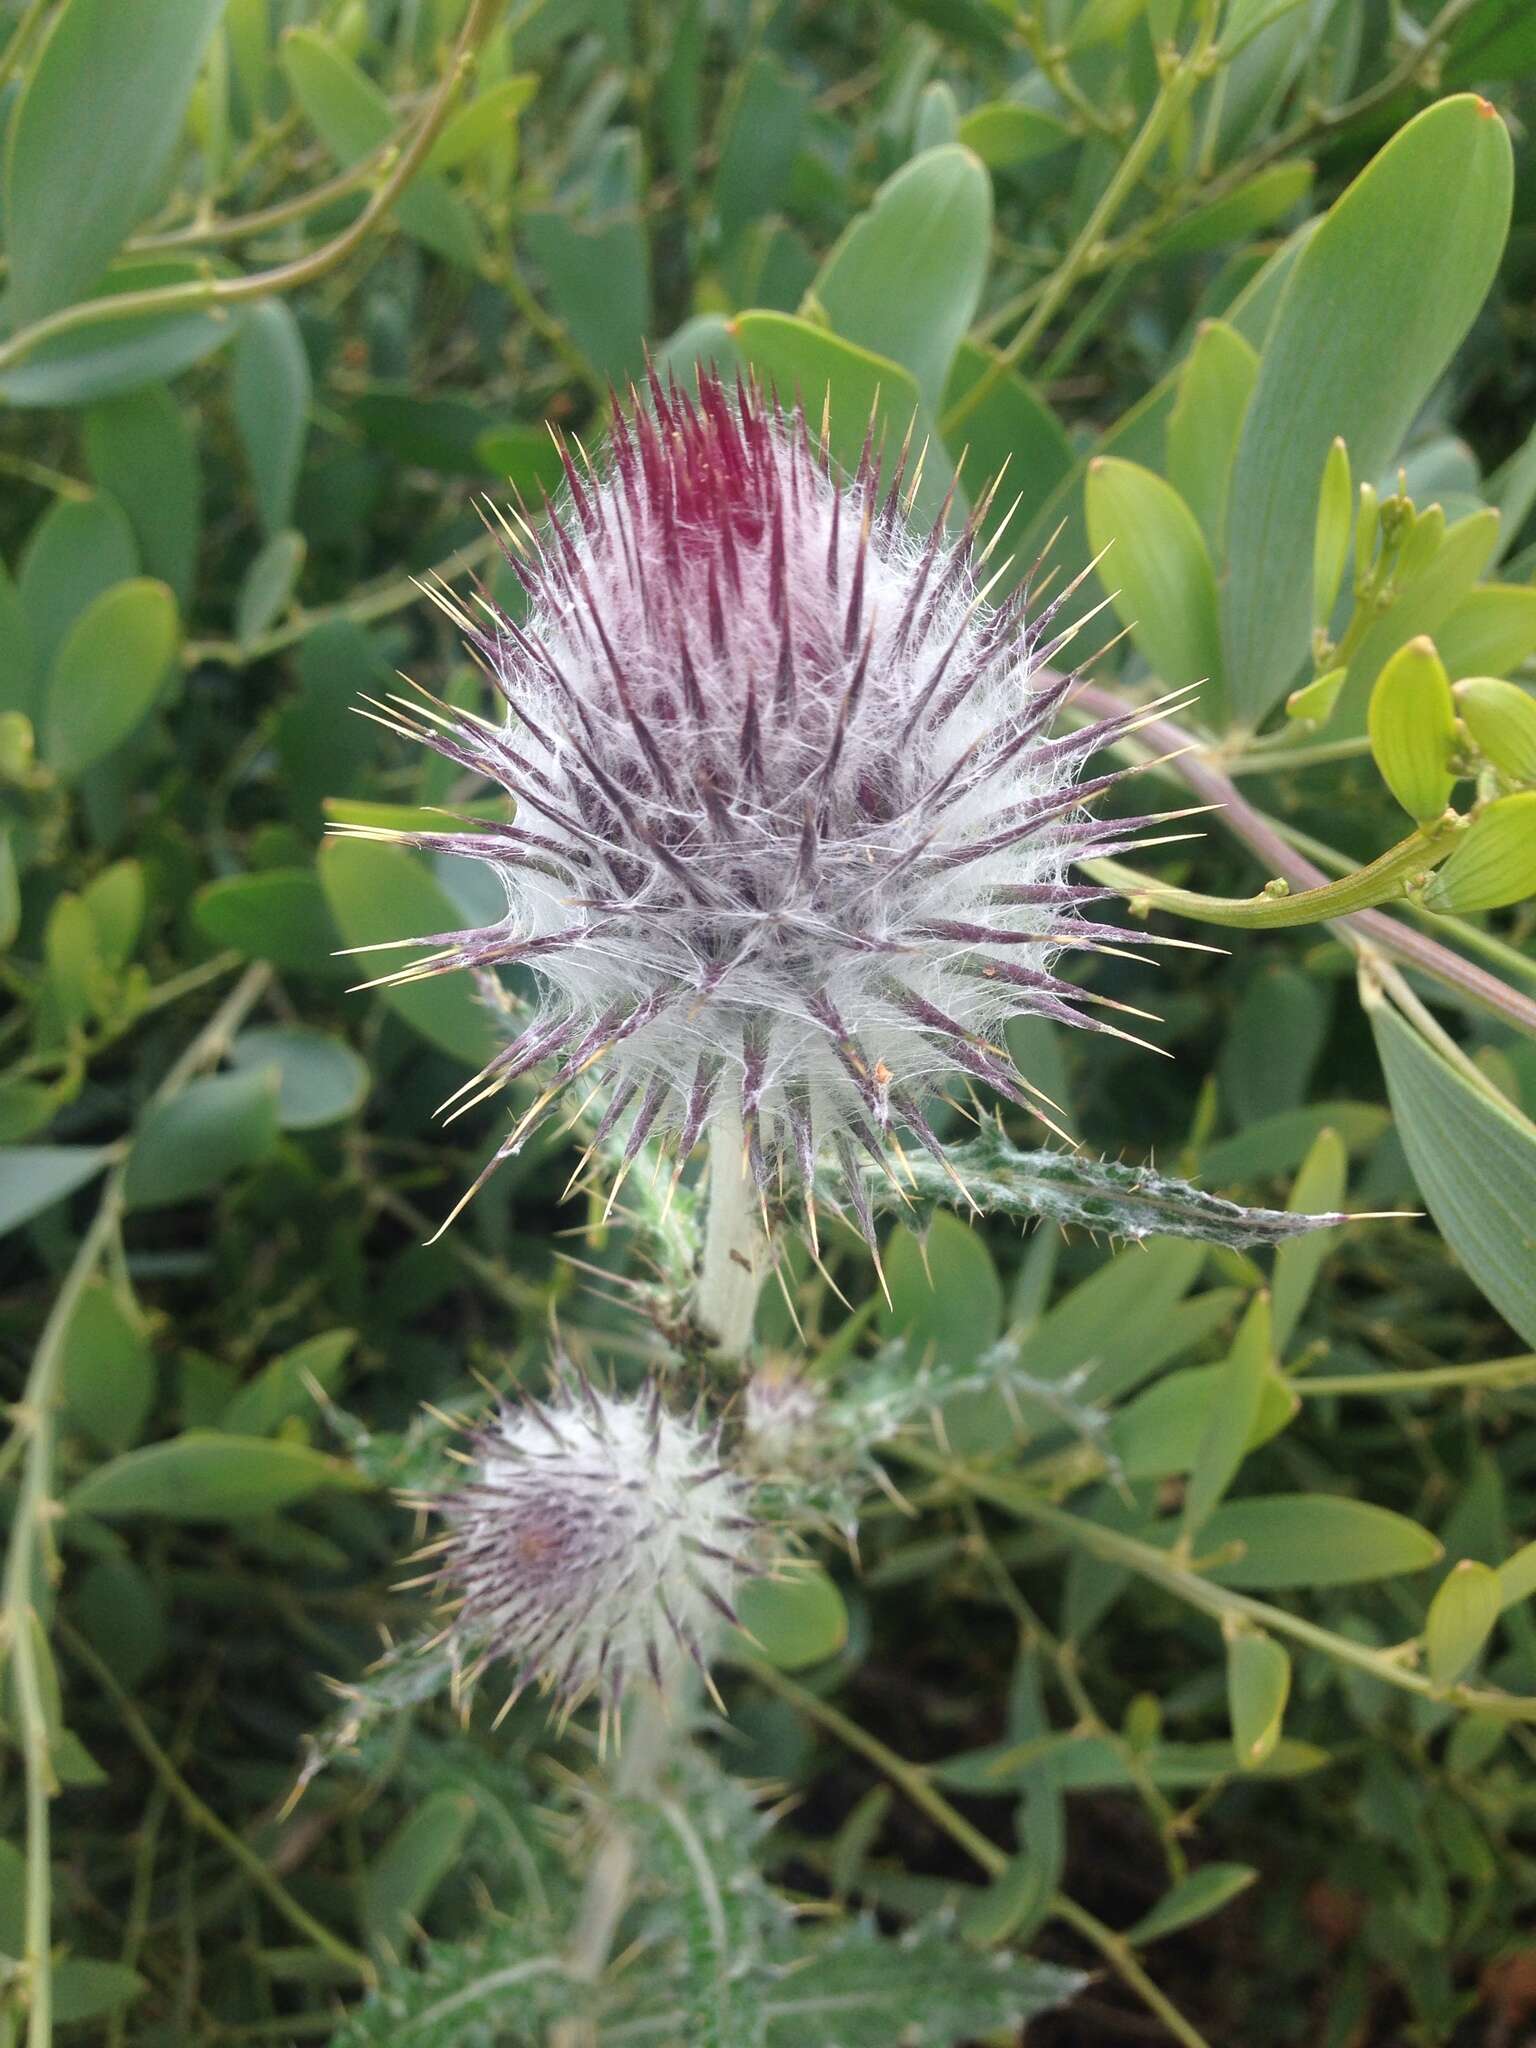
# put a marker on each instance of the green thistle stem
(734, 1245)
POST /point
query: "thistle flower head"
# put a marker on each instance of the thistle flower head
(792, 834)
(599, 1539)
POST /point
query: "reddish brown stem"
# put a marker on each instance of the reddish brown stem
(1374, 927)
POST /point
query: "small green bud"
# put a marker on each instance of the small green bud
(18, 748)
(1494, 863)
(1412, 727)
(1143, 1724)
(1330, 544)
(1396, 519)
(1422, 543)
(1367, 525)
(1501, 719)
(1316, 700)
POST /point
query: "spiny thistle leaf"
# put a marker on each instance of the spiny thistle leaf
(926, 1989)
(504, 1990)
(405, 1677)
(812, 1448)
(1100, 1195)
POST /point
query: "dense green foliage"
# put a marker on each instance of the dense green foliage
(1188, 1600)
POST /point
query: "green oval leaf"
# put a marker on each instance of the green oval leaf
(186, 1147)
(599, 281)
(286, 1386)
(271, 394)
(320, 1078)
(204, 1475)
(379, 892)
(1312, 1539)
(278, 915)
(1258, 203)
(1258, 1685)
(1157, 572)
(946, 1299)
(121, 1610)
(1005, 134)
(485, 122)
(799, 360)
(1377, 301)
(1320, 1185)
(1214, 388)
(105, 358)
(91, 138)
(1474, 1159)
(352, 116)
(107, 674)
(794, 1621)
(1012, 434)
(140, 448)
(759, 141)
(1517, 1576)
(412, 1864)
(34, 1177)
(904, 279)
(108, 1370)
(1234, 1416)
(1490, 631)
(1163, 1429)
(115, 902)
(85, 1989)
(267, 588)
(1196, 1897)
(1461, 1618)
(78, 549)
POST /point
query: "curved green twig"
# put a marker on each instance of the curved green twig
(1385, 880)
(201, 294)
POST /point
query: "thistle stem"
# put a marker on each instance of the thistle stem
(734, 1245)
(651, 1726)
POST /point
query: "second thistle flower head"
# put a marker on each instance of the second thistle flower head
(792, 834)
(598, 1540)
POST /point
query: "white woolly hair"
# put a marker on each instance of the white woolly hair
(792, 834)
(599, 1540)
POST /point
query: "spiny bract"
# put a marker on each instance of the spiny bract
(792, 836)
(599, 1539)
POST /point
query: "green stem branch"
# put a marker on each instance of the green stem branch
(1502, 1373)
(205, 294)
(30, 1558)
(1383, 881)
(380, 602)
(1223, 1603)
(203, 1816)
(1080, 260)
(20, 36)
(1361, 929)
(915, 1783)
(245, 226)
